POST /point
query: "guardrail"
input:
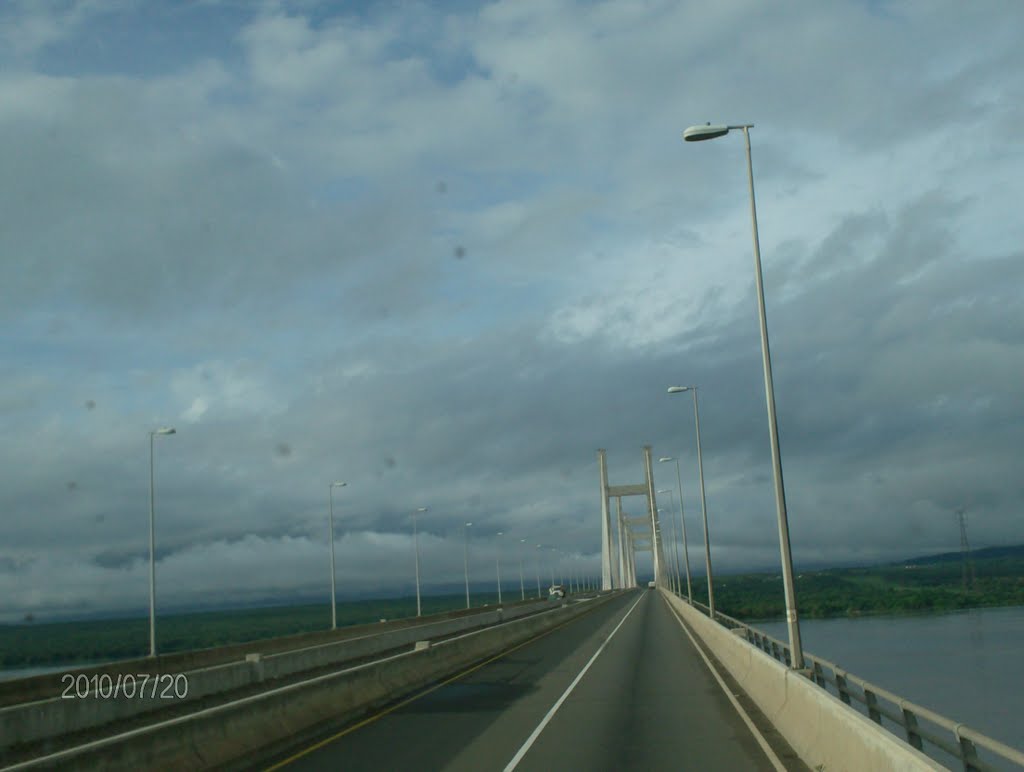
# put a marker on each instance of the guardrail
(252, 729)
(38, 687)
(74, 711)
(917, 725)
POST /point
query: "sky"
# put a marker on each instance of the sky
(445, 251)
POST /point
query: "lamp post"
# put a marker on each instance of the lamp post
(703, 500)
(465, 558)
(678, 585)
(416, 551)
(682, 521)
(695, 134)
(152, 541)
(334, 607)
(522, 587)
(561, 567)
(536, 563)
(497, 563)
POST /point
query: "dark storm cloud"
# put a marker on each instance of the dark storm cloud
(322, 262)
(121, 559)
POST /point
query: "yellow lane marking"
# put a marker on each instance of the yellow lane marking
(417, 696)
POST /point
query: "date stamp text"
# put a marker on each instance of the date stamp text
(112, 686)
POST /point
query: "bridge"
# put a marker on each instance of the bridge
(616, 679)
(625, 679)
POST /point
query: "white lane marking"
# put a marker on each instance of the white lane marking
(779, 766)
(554, 709)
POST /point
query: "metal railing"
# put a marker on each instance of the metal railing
(939, 737)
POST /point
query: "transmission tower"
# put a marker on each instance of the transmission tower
(965, 551)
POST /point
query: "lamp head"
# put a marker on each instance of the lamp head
(423, 509)
(678, 389)
(707, 131)
(165, 430)
(663, 459)
(339, 484)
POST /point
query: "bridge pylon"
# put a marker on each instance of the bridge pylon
(619, 570)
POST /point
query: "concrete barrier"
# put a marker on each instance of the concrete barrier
(216, 736)
(825, 733)
(38, 687)
(54, 717)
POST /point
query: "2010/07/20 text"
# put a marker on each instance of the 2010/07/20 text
(104, 686)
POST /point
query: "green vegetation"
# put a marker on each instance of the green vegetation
(924, 585)
(40, 644)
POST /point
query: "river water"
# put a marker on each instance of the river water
(967, 665)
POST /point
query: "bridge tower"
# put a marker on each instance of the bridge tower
(638, 539)
(618, 558)
(613, 567)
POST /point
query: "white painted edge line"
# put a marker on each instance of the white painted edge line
(554, 708)
(507, 623)
(779, 766)
(267, 657)
(251, 699)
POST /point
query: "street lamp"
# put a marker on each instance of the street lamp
(497, 563)
(465, 558)
(695, 134)
(677, 584)
(522, 587)
(152, 542)
(554, 551)
(703, 500)
(674, 583)
(536, 563)
(416, 548)
(334, 607)
(551, 564)
(682, 520)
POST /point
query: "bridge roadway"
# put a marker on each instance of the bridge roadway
(646, 701)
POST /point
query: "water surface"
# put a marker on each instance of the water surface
(967, 665)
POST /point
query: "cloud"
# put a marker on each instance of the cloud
(230, 390)
(257, 239)
(28, 27)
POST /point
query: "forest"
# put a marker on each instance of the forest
(930, 584)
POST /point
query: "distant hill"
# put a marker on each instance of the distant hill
(978, 554)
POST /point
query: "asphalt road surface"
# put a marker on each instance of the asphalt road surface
(646, 702)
